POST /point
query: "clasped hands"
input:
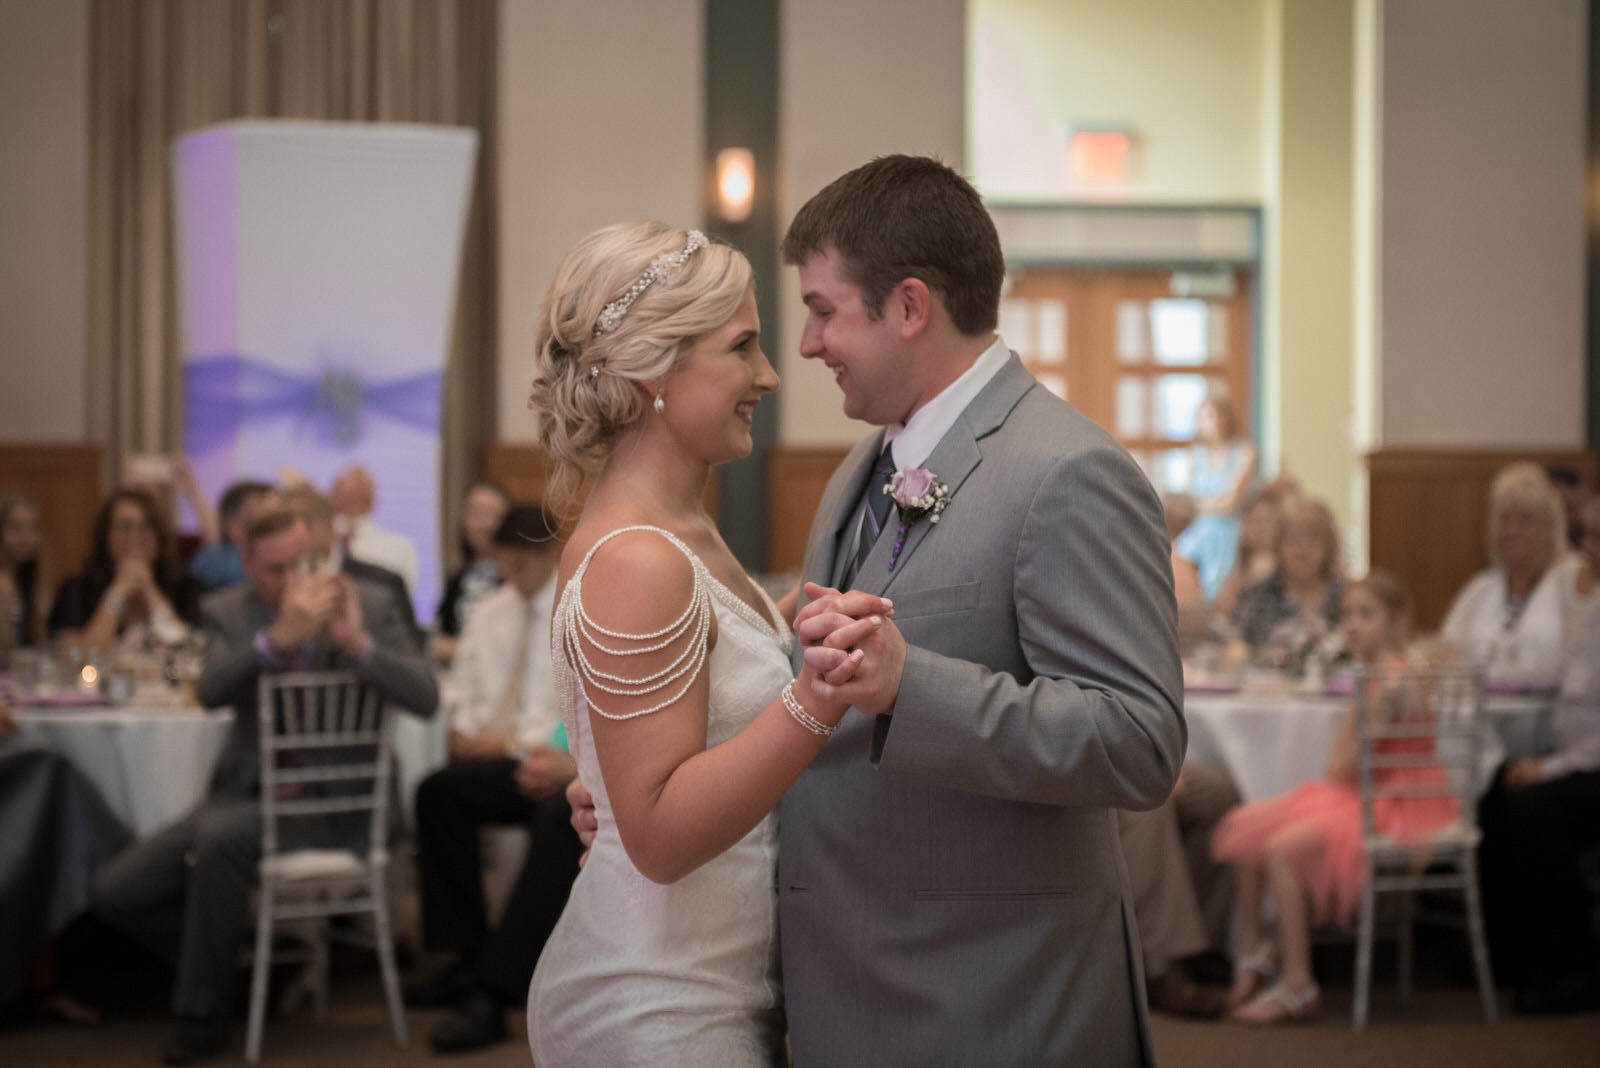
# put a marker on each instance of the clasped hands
(321, 603)
(855, 653)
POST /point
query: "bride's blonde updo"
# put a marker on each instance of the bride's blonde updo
(585, 385)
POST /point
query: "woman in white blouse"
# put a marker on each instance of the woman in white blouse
(1509, 616)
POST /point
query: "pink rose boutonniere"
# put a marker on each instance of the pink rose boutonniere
(917, 493)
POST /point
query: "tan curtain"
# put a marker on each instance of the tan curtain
(159, 68)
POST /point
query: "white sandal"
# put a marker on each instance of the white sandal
(1278, 1004)
(1260, 964)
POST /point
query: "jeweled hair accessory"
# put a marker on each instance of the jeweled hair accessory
(611, 315)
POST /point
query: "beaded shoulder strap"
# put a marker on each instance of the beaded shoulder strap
(691, 630)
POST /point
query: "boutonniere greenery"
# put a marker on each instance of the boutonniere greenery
(917, 494)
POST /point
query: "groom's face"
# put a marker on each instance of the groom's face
(861, 350)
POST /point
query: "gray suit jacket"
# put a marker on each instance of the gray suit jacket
(950, 881)
(231, 669)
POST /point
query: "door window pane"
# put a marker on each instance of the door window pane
(1016, 326)
(1131, 343)
(1174, 471)
(1052, 331)
(1133, 407)
(1056, 384)
(1177, 403)
(1217, 325)
(1178, 332)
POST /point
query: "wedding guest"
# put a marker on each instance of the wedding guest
(24, 569)
(1508, 616)
(485, 506)
(1194, 613)
(509, 767)
(1223, 469)
(131, 583)
(1257, 556)
(353, 495)
(185, 891)
(1568, 485)
(1541, 815)
(327, 555)
(57, 833)
(1301, 598)
(1304, 848)
(168, 479)
(218, 566)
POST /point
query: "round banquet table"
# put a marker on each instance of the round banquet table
(152, 765)
(1271, 743)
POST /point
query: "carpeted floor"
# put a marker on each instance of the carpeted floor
(1443, 1026)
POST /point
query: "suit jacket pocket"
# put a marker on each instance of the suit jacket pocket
(936, 601)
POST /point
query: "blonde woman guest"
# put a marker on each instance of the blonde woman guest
(24, 569)
(1303, 593)
(1224, 469)
(1509, 616)
(1256, 558)
(672, 666)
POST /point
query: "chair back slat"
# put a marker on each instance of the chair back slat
(1413, 720)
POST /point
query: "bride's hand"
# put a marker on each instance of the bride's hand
(830, 612)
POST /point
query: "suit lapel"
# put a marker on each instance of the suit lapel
(837, 537)
(953, 461)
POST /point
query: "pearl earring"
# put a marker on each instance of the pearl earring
(661, 404)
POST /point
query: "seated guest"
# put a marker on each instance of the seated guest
(353, 495)
(1182, 899)
(1541, 815)
(24, 572)
(57, 833)
(1508, 617)
(1194, 614)
(131, 584)
(1301, 598)
(1568, 485)
(185, 892)
(218, 566)
(1257, 558)
(509, 768)
(485, 506)
(167, 479)
(326, 554)
(1304, 848)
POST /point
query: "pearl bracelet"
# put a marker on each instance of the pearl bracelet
(801, 716)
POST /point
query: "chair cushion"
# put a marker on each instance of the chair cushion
(313, 864)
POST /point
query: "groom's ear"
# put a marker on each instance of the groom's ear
(912, 305)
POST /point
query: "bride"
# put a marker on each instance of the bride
(673, 667)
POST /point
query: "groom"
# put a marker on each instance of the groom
(950, 883)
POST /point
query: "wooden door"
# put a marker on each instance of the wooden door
(1136, 349)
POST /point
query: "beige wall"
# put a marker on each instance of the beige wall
(1480, 263)
(1186, 77)
(858, 81)
(600, 122)
(44, 202)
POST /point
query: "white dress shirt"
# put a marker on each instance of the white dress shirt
(1577, 720)
(486, 660)
(372, 544)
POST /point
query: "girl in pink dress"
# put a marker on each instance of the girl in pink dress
(1305, 847)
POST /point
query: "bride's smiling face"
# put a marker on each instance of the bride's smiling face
(710, 399)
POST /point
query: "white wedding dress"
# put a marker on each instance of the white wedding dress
(637, 973)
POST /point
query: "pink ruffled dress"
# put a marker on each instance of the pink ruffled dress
(1335, 875)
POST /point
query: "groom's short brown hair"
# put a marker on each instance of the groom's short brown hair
(904, 217)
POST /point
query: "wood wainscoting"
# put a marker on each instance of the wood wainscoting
(1428, 516)
(796, 480)
(63, 479)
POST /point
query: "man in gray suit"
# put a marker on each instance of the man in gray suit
(950, 882)
(185, 891)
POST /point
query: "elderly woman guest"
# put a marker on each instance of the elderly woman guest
(1508, 617)
(1224, 466)
(1542, 814)
(131, 580)
(1303, 593)
(24, 574)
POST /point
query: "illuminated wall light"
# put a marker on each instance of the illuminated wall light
(736, 183)
(1102, 156)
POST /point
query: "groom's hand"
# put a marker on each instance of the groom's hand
(829, 611)
(874, 683)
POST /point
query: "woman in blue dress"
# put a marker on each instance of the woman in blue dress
(1223, 468)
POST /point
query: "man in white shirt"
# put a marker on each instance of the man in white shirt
(509, 767)
(353, 495)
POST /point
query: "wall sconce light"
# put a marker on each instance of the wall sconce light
(736, 183)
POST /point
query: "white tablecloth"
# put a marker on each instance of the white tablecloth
(152, 765)
(1272, 743)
